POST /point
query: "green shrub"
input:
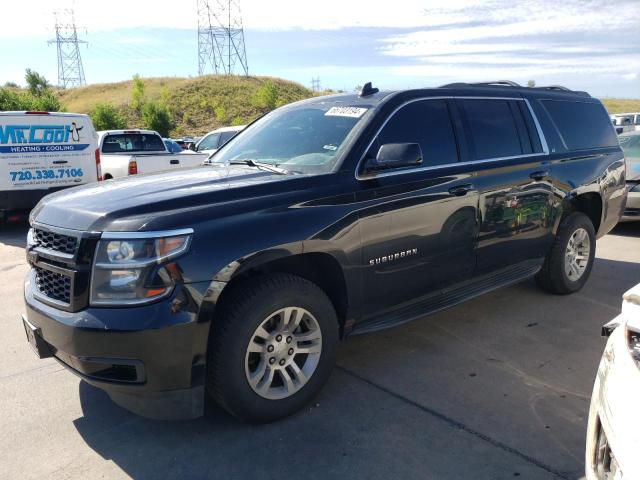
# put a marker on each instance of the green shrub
(156, 116)
(10, 100)
(45, 102)
(267, 96)
(20, 100)
(220, 113)
(107, 117)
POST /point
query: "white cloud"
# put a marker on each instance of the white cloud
(630, 76)
(524, 39)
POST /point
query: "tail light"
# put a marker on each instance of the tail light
(133, 167)
(98, 165)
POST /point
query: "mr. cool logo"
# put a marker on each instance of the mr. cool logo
(40, 138)
(34, 134)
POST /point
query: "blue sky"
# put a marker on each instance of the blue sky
(589, 45)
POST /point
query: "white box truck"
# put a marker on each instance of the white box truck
(42, 152)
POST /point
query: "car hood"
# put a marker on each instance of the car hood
(153, 201)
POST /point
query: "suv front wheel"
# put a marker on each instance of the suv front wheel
(272, 348)
(568, 264)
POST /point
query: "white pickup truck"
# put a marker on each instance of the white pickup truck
(131, 152)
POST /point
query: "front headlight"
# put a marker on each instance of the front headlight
(136, 268)
(633, 342)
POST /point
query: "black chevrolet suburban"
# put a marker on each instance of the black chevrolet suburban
(329, 217)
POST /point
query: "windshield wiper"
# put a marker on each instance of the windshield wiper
(261, 165)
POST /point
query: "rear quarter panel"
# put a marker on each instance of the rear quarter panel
(601, 171)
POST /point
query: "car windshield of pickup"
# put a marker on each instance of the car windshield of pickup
(306, 139)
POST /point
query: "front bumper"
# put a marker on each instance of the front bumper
(149, 359)
(632, 209)
(613, 413)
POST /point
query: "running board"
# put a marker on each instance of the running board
(449, 297)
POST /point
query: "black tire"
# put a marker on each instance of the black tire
(243, 310)
(553, 277)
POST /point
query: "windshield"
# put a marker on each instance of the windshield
(305, 139)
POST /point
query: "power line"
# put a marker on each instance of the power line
(220, 37)
(70, 70)
(315, 84)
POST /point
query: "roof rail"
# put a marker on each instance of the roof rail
(560, 88)
(509, 83)
(556, 87)
(497, 83)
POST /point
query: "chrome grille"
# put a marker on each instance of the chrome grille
(55, 241)
(53, 285)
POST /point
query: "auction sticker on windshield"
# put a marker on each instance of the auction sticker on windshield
(353, 112)
(45, 151)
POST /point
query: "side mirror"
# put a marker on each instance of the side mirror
(192, 147)
(396, 155)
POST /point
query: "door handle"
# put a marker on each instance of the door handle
(537, 176)
(174, 161)
(460, 190)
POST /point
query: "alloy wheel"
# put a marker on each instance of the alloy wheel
(283, 353)
(576, 258)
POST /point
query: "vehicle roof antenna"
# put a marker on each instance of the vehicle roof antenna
(368, 90)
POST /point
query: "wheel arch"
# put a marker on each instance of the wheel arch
(589, 202)
(321, 268)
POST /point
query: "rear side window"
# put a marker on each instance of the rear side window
(226, 136)
(426, 122)
(493, 128)
(581, 125)
(132, 142)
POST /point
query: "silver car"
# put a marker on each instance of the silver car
(630, 143)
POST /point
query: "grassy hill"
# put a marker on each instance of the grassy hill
(200, 104)
(197, 105)
(621, 105)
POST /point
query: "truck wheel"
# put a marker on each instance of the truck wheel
(568, 264)
(272, 348)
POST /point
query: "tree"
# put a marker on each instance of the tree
(156, 116)
(11, 85)
(138, 94)
(36, 83)
(107, 117)
(531, 83)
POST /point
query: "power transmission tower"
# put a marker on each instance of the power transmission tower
(315, 84)
(70, 70)
(220, 37)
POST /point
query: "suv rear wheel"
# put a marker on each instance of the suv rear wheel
(273, 347)
(568, 264)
